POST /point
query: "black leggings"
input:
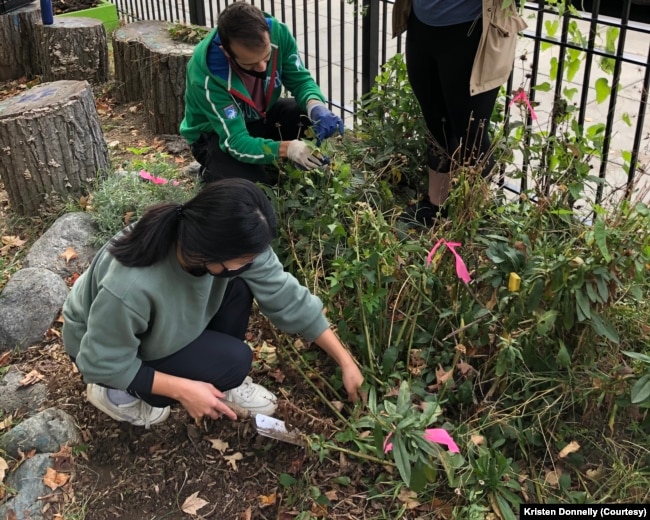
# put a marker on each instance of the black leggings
(284, 122)
(439, 62)
(218, 356)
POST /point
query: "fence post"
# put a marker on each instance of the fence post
(369, 44)
(197, 12)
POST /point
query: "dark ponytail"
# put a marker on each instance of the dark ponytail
(227, 219)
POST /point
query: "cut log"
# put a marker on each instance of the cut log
(51, 144)
(17, 48)
(150, 66)
(73, 48)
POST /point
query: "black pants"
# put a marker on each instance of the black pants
(284, 122)
(439, 63)
(218, 356)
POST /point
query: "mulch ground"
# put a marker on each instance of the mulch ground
(130, 473)
(69, 6)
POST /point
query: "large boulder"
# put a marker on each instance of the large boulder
(65, 247)
(29, 303)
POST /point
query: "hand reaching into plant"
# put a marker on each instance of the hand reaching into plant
(325, 123)
(301, 154)
(352, 378)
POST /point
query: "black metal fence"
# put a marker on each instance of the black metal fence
(344, 43)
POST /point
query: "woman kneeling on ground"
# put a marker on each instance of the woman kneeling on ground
(160, 315)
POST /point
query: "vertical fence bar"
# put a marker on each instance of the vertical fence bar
(640, 130)
(197, 12)
(355, 52)
(369, 45)
(616, 80)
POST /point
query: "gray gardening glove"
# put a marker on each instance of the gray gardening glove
(301, 154)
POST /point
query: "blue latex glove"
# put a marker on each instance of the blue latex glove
(324, 123)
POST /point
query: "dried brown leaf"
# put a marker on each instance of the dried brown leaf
(13, 241)
(69, 254)
(267, 500)
(570, 448)
(3, 469)
(193, 503)
(443, 376)
(53, 479)
(31, 379)
(5, 358)
(219, 445)
(232, 459)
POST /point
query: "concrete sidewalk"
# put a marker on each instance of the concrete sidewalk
(340, 42)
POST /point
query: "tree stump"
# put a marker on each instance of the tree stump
(17, 47)
(73, 48)
(51, 144)
(150, 66)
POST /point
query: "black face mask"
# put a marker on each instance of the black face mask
(255, 73)
(231, 273)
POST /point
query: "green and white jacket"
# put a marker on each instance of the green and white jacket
(219, 102)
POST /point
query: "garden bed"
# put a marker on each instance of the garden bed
(98, 9)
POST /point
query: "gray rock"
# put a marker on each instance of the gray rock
(14, 398)
(45, 432)
(191, 170)
(28, 304)
(72, 230)
(175, 144)
(27, 481)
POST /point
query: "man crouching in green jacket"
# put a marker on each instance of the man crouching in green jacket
(235, 121)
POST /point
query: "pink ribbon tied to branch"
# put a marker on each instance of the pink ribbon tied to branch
(522, 98)
(439, 435)
(156, 180)
(461, 268)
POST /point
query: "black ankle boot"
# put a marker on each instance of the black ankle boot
(423, 212)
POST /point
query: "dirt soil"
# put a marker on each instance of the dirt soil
(130, 473)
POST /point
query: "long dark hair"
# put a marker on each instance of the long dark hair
(243, 23)
(228, 219)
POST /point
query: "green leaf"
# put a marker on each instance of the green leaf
(603, 90)
(378, 437)
(583, 308)
(535, 296)
(600, 235)
(563, 357)
(401, 458)
(287, 480)
(543, 87)
(506, 510)
(343, 480)
(637, 355)
(546, 321)
(603, 292)
(626, 119)
(404, 403)
(603, 328)
(641, 390)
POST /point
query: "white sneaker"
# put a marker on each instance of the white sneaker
(137, 413)
(253, 397)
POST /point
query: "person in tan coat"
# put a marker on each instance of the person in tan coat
(458, 54)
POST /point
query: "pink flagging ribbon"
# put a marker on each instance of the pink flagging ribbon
(439, 435)
(156, 180)
(461, 268)
(522, 97)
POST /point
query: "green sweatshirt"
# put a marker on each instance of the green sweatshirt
(117, 316)
(216, 100)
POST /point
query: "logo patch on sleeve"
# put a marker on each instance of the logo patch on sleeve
(230, 111)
